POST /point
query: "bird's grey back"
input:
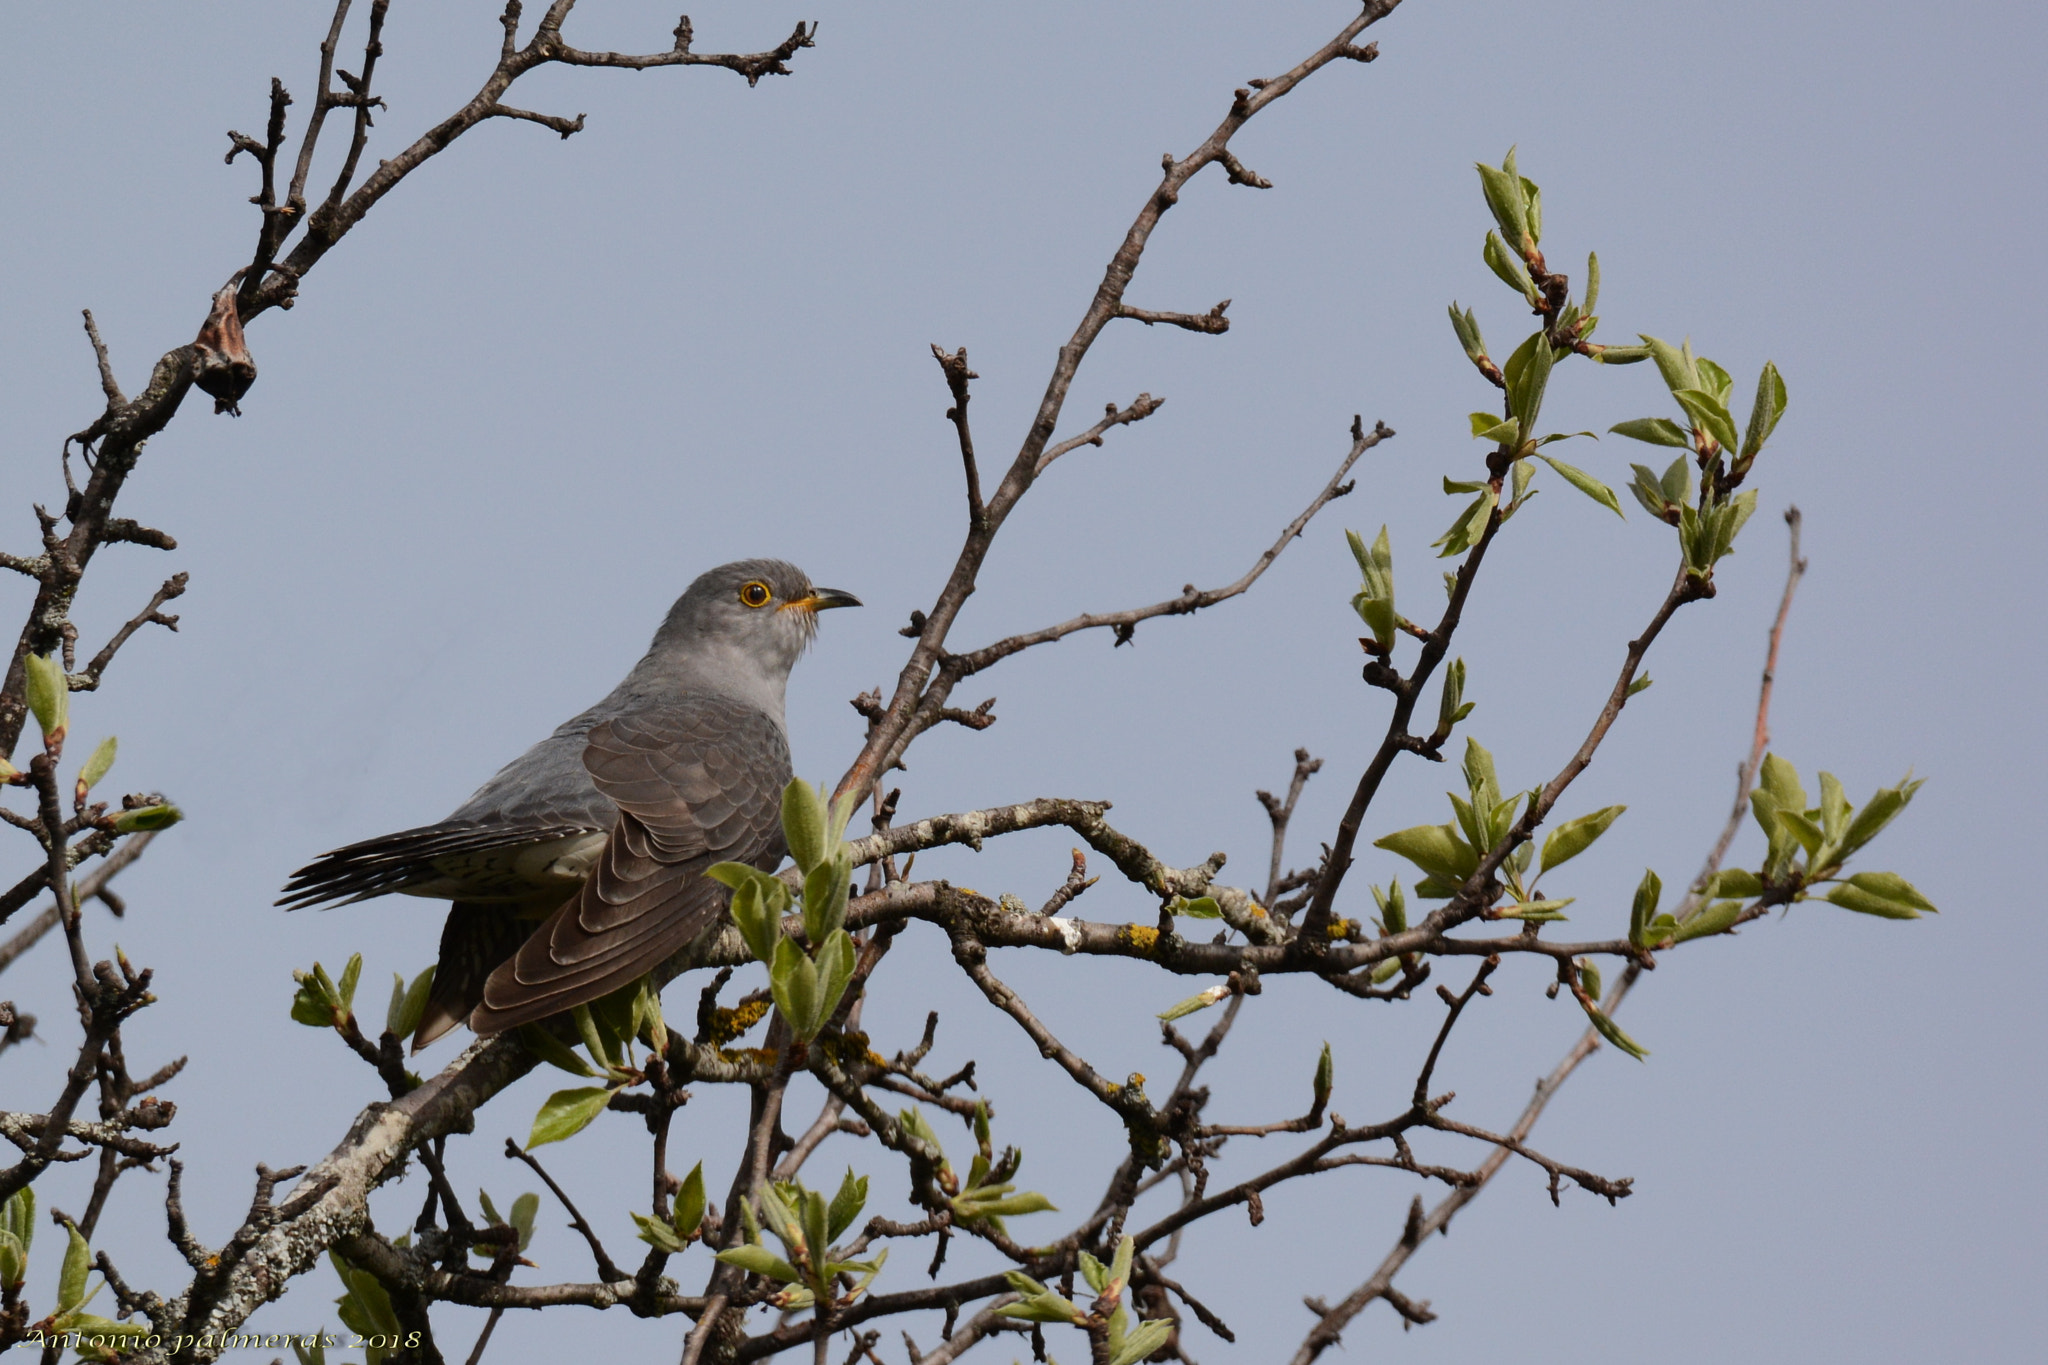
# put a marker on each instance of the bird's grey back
(546, 785)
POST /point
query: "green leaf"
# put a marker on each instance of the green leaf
(147, 819)
(1877, 813)
(1007, 1206)
(1592, 304)
(1452, 706)
(1466, 530)
(758, 924)
(825, 890)
(793, 981)
(1714, 380)
(839, 812)
(71, 1278)
(1045, 1306)
(1732, 882)
(737, 875)
(1708, 415)
(1458, 486)
(1469, 822)
(816, 1230)
(1436, 849)
(13, 1261)
(1649, 492)
(1393, 907)
(1780, 780)
(803, 823)
(1676, 482)
(868, 1270)
(1587, 484)
(49, 694)
(1120, 1266)
(1621, 355)
(1528, 375)
(1200, 1000)
(835, 962)
(1147, 1338)
(1480, 778)
(781, 1215)
(1374, 562)
(552, 1050)
(847, 1203)
(1509, 267)
(1518, 491)
(1612, 1033)
(1574, 837)
(657, 1234)
(1469, 337)
(1892, 887)
(310, 1004)
(1643, 909)
(101, 759)
(759, 1260)
(648, 1025)
(567, 1113)
(524, 1210)
(690, 1201)
(1589, 978)
(350, 975)
(18, 1216)
(915, 1123)
(1641, 684)
(1765, 411)
(1658, 431)
(1834, 808)
(1805, 831)
(1729, 519)
(1717, 918)
(408, 1003)
(599, 1040)
(1504, 197)
(1487, 426)
(1675, 365)
(1537, 912)
(1326, 1070)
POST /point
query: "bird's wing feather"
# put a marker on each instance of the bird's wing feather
(696, 781)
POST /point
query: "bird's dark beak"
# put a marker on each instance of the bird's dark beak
(821, 598)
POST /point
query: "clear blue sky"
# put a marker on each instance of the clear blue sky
(548, 382)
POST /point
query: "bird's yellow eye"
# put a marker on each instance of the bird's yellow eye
(755, 594)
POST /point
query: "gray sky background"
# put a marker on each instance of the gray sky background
(548, 382)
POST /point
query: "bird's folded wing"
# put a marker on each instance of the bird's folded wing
(696, 782)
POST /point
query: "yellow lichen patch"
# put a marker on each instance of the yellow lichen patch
(1343, 928)
(727, 1025)
(1259, 911)
(1140, 936)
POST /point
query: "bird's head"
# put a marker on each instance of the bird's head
(751, 616)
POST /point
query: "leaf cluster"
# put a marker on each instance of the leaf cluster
(1124, 1341)
(806, 1225)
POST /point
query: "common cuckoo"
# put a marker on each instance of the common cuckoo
(578, 868)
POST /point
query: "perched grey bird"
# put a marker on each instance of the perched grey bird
(578, 868)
